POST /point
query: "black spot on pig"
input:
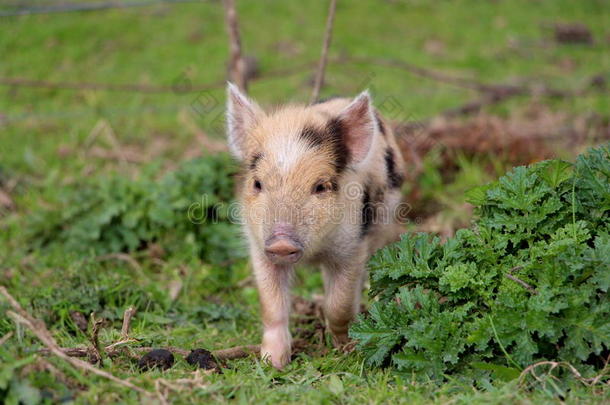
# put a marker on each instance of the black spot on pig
(372, 201)
(336, 132)
(380, 123)
(314, 137)
(368, 212)
(395, 179)
(254, 160)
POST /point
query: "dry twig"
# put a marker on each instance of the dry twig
(237, 64)
(531, 370)
(521, 282)
(5, 338)
(236, 352)
(510, 276)
(324, 56)
(96, 355)
(40, 330)
(122, 257)
(127, 315)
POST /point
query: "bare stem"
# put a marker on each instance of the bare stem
(6, 338)
(96, 325)
(237, 64)
(523, 283)
(324, 56)
(127, 315)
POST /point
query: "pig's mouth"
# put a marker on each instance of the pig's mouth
(283, 249)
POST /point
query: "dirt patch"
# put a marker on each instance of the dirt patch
(308, 319)
(574, 33)
(527, 136)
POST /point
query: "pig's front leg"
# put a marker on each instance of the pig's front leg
(342, 293)
(274, 293)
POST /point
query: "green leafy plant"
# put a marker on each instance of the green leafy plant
(186, 211)
(527, 282)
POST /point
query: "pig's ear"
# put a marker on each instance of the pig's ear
(242, 116)
(358, 125)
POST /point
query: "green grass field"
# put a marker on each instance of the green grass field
(53, 138)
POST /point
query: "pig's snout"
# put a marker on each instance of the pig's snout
(282, 249)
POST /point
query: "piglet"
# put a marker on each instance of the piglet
(321, 185)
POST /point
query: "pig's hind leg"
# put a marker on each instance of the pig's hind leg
(342, 293)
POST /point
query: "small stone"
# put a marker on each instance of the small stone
(202, 358)
(158, 358)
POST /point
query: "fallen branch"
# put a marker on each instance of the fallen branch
(237, 64)
(112, 351)
(319, 80)
(39, 329)
(236, 352)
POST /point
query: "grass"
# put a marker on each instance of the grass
(46, 137)
(493, 42)
(190, 322)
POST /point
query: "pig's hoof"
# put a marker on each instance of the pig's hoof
(276, 347)
(278, 357)
(340, 339)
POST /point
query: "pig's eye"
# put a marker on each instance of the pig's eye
(323, 187)
(257, 185)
